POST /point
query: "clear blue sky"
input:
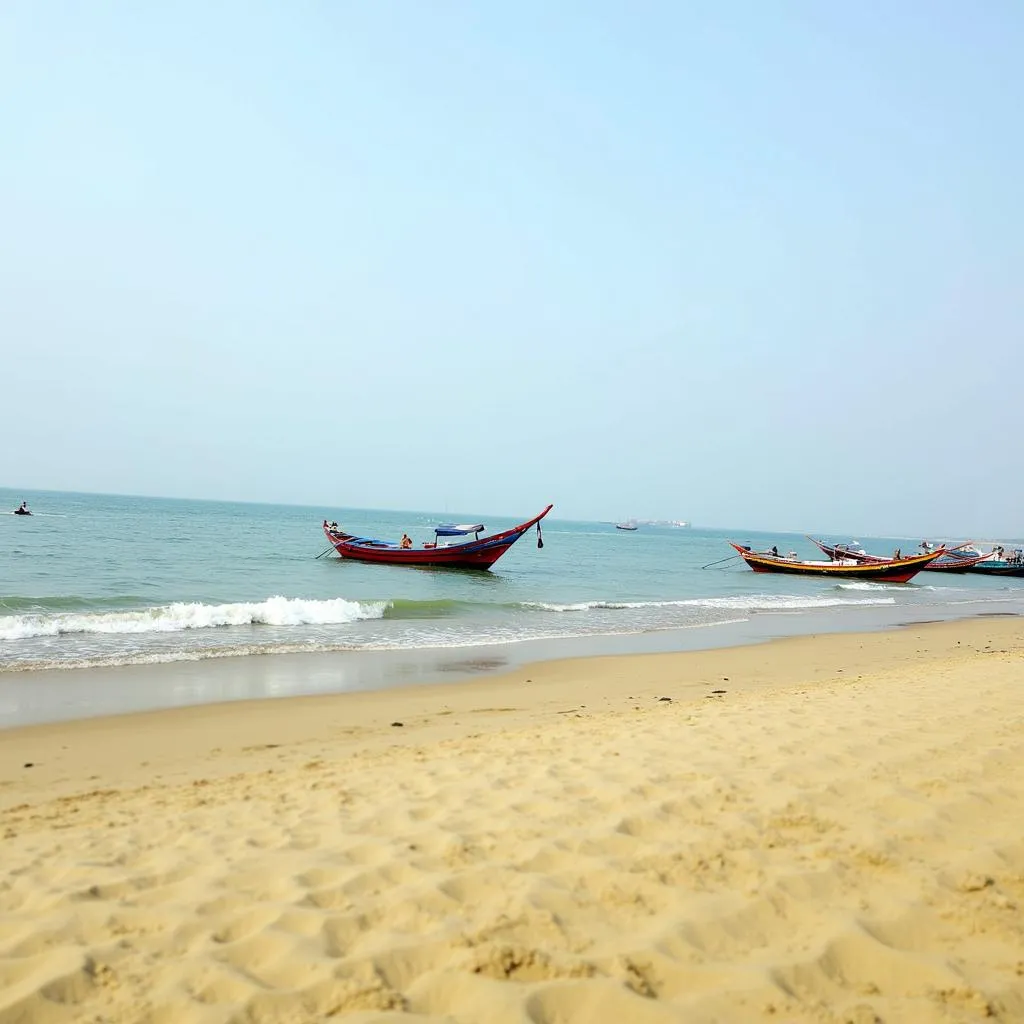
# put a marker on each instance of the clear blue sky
(750, 264)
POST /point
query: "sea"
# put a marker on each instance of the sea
(94, 580)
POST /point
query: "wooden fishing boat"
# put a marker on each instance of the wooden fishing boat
(950, 560)
(892, 570)
(845, 552)
(478, 553)
(988, 566)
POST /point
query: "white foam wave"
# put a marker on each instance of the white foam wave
(747, 603)
(867, 585)
(173, 618)
(136, 657)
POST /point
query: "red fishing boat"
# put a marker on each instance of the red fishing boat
(892, 570)
(478, 553)
(950, 560)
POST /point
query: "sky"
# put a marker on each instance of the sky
(746, 264)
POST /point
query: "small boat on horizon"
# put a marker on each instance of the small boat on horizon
(22, 510)
(892, 570)
(629, 524)
(478, 553)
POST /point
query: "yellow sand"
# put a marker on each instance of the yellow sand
(839, 837)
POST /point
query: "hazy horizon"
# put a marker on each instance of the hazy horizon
(744, 264)
(524, 513)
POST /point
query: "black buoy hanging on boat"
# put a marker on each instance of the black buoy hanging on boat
(540, 539)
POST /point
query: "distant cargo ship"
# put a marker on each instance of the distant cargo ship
(632, 524)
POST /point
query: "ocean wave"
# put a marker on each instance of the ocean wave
(173, 618)
(166, 657)
(882, 585)
(747, 603)
(865, 585)
(404, 608)
(67, 603)
(434, 642)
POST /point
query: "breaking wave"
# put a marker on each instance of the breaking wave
(173, 618)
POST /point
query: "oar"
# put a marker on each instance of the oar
(728, 558)
(322, 553)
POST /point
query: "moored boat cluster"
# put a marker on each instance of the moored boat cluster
(852, 561)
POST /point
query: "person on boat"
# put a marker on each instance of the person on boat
(406, 541)
(22, 509)
(775, 551)
(896, 553)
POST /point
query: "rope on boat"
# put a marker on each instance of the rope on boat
(728, 558)
(322, 553)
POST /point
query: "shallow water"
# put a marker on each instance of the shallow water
(110, 580)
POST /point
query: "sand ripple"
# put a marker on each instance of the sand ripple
(846, 854)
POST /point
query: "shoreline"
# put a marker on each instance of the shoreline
(38, 696)
(526, 688)
(814, 829)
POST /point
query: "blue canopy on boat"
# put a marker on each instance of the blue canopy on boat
(457, 530)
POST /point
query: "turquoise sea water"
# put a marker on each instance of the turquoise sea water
(105, 580)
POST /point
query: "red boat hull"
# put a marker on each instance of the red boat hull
(896, 570)
(474, 554)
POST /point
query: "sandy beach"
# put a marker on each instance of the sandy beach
(825, 829)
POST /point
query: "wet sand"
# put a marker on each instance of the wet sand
(817, 829)
(31, 696)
